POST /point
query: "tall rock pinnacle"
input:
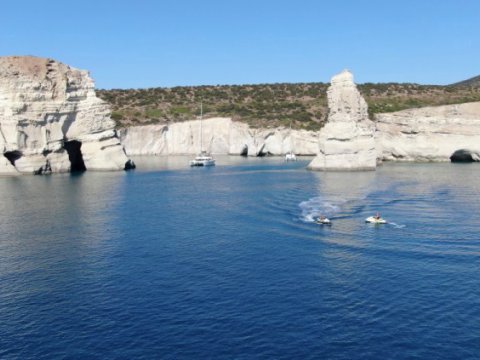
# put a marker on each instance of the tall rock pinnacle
(347, 141)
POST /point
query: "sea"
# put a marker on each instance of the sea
(226, 262)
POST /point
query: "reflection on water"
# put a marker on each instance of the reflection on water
(182, 162)
(61, 214)
(224, 262)
(337, 192)
(345, 185)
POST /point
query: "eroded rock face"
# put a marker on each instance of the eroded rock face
(429, 133)
(220, 136)
(45, 105)
(346, 142)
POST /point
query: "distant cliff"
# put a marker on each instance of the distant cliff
(219, 136)
(429, 134)
(52, 121)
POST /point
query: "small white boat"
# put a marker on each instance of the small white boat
(203, 159)
(323, 221)
(375, 220)
(290, 156)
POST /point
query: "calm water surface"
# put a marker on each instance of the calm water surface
(225, 263)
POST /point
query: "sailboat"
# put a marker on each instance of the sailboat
(290, 156)
(203, 158)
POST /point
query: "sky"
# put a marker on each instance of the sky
(164, 43)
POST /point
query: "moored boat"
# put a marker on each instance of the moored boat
(204, 158)
(290, 156)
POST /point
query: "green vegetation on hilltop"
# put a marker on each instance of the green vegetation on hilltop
(304, 105)
(390, 97)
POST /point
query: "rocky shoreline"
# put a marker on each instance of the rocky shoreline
(349, 140)
(52, 121)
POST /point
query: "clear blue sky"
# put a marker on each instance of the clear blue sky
(147, 43)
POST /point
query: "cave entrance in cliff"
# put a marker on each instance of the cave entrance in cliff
(75, 155)
(244, 151)
(12, 156)
(462, 156)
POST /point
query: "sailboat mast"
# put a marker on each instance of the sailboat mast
(201, 128)
(290, 137)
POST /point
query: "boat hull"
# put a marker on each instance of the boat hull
(290, 157)
(202, 163)
(323, 222)
(373, 220)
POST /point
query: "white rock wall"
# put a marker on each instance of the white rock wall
(429, 133)
(44, 103)
(220, 136)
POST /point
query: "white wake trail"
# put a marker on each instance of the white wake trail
(316, 206)
(395, 225)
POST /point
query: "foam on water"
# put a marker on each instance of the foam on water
(316, 206)
(396, 226)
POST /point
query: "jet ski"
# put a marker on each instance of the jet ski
(375, 220)
(323, 221)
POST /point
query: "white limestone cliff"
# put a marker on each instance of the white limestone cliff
(346, 142)
(349, 140)
(220, 136)
(429, 133)
(52, 121)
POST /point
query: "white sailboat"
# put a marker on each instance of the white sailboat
(204, 158)
(290, 155)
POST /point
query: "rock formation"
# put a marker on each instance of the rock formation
(346, 142)
(220, 136)
(52, 121)
(430, 133)
(349, 140)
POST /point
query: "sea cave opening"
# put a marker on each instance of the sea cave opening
(12, 156)
(75, 155)
(244, 151)
(462, 156)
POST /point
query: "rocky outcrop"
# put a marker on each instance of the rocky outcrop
(349, 140)
(346, 142)
(52, 121)
(430, 133)
(219, 136)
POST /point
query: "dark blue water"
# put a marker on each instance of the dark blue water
(225, 263)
